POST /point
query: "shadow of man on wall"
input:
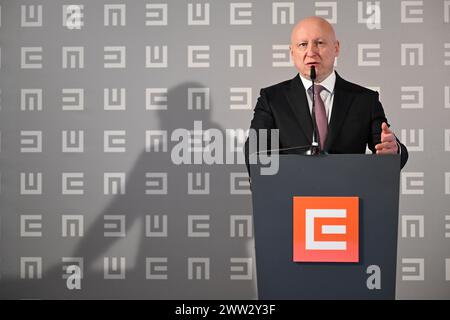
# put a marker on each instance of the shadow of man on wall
(177, 240)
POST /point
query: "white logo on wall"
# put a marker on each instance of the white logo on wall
(447, 269)
(72, 183)
(114, 268)
(241, 226)
(447, 226)
(198, 56)
(241, 268)
(240, 13)
(156, 56)
(199, 183)
(412, 54)
(30, 141)
(31, 99)
(72, 99)
(282, 12)
(411, 11)
(447, 97)
(447, 182)
(114, 15)
(113, 183)
(240, 56)
(413, 269)
(31, 183)
(412, 183)
(369, 55)
(72, 225)
(72, 141)
(72, 57)
(198, 268)
(241, 99)
(410, 225)
(156, 183)
(114, 57)
(31, 225)
(156, 226)
(198, 226)
(412, 97)
(327, 10)
(114, 226)
(413, 139)
(156, 98)
(281, 56)
(446, 139)
(31, 58)
(156, 268)
(31, 15)
(114, 99)
(446, 54)
(198, 14)
(156, 14)
(30, 267)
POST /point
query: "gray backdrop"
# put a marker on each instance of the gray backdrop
(91, 95)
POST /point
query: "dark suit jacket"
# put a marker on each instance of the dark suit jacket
(355, 122)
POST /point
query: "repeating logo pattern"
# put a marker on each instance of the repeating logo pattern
(122, 127)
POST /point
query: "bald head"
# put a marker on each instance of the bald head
(313, 43)
(314, 23)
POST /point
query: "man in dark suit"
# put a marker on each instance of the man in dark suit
(349, 117)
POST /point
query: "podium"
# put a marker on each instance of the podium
(374, 180)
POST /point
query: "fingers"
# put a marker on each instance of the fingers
(385, 129)
(387, 138)
(387, 151)
(387, 147)
(388, 144)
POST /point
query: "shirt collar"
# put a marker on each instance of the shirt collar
(328, 83)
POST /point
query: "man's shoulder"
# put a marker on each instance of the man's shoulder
(354, 88)
(278, 87)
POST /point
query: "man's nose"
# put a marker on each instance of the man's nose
(311, 50)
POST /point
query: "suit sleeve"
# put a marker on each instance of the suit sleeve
(378, 117)
(262, 119)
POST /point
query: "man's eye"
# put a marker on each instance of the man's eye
(303, 45)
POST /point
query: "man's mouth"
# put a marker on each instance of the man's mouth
(312, 64)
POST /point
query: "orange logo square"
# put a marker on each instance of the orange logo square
(326, 229)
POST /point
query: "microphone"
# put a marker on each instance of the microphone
(283, 150)
(312, 73)
(315, 146)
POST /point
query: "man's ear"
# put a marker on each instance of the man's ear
(337, 47)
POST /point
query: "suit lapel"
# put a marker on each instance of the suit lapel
(299, 104)
(341, 103)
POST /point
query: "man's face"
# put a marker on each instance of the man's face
(313, 43)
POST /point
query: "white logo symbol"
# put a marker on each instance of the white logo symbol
(311, 243)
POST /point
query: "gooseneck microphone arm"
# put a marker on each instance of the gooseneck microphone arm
(315, 146)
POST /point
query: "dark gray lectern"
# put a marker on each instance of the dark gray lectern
(374, 179)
